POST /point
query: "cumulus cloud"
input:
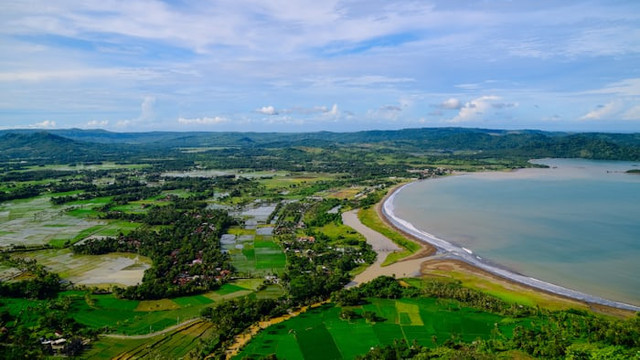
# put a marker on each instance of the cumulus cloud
(267, 110)
(602, 111)
(334, 112)
(47, 124)
(203, 121)
(475, 108)
(147, 108)
(147, 113)
(472, 109)
(451, 104)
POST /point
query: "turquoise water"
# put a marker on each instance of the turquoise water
(576, 224)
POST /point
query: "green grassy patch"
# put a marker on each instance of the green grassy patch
(157, 305)
(317, 343)
(192, 300)
(228, 289)
(269, 255)
(341, 233)
(369, 217)
(270, 292)
(321, 333)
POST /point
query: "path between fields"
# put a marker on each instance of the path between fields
(150, 335)
(383, 246)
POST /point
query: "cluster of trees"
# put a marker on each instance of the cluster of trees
(39, 283)
(234, 316)
(23, 334)
(122, 191)
(186, 254)
(318, 215)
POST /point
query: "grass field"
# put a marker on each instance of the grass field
(255, 255)
(132, 317)
(341, 233)
(369, 217)
(321, 334)
(171, 345)
(347, 193)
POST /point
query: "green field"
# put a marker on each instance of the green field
(258, 256)
(341, 234)
(369, 218)
(321, 334)
(171, 345)
(129, 317)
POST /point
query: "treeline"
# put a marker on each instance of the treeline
(186, 254)
(39, 283)
(122, 191)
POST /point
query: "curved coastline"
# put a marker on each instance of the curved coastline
(453, 251)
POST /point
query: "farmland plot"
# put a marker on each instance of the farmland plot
(116, 268)
(38, 222)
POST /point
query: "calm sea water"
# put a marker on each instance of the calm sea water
(576, 224)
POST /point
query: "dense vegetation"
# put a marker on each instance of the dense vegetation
(186, 255)
(170, 197)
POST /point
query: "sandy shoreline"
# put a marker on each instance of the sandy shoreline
(450, 251)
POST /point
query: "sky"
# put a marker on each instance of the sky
(309, 65)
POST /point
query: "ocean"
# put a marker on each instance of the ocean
(575, 224)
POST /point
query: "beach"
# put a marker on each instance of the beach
(450, 251)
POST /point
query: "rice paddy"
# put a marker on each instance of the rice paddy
(123, 269)
(37, 222)
(253, 255)
(171, 345)
(321, 334)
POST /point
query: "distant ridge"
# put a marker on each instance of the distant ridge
(483, 142)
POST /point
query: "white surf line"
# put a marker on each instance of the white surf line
(455, 252)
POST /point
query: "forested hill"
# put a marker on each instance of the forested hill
(478, 143)
(34, 145)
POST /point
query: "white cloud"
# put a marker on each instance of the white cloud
(47, 124)
(387, 112)
(626, 87)
(97, 123)
(146, 108)
(267, 110)
(474, 108)
(147, 114)
(334, 112)
(203, 121)
(451, 103)
(603, 111)
(79, 74)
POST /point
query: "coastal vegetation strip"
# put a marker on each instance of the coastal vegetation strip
(370, 218)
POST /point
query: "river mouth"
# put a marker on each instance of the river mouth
(573, 224)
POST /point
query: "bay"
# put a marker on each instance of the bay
(575, 224)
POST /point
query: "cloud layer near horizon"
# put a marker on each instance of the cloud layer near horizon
(301, 65)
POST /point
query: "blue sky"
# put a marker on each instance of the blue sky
(298, 65)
